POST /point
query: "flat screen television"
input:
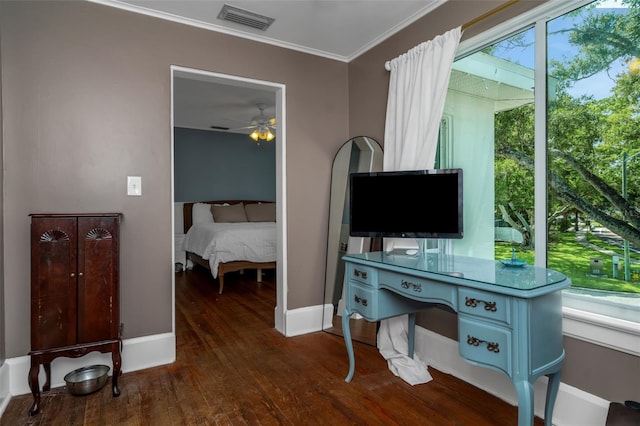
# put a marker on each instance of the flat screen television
(406, 204)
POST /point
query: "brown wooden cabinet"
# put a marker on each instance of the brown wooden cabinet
(74, 292)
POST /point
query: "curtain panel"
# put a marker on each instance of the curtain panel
(418, 85)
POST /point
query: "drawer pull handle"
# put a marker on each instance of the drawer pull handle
(491, 346)
(358, 273)
(488, 306)
(359, 299)
(413, 286)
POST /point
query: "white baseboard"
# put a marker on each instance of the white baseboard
(303, 320)
(137, 354)
(310, 319)
(573, 406)
(5, 395)
(327, 316)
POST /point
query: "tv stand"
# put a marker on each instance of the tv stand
(509, 318)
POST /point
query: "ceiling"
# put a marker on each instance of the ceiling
(207, 105)
(339, 30)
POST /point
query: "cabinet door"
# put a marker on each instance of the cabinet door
(53, 282)
(98, 276)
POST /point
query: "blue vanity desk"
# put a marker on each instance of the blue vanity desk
(509, 318)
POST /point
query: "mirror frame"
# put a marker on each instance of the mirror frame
(358, 154)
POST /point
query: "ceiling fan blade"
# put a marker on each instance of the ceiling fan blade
(258, 122)
(243, 128)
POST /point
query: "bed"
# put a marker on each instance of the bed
(231, 235)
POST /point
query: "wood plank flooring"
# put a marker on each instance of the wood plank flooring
(234, 368)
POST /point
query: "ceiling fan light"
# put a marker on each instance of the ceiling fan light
(262, 130)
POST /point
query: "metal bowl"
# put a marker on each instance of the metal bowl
(86, 380)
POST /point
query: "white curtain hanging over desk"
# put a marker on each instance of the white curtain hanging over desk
(418, 85)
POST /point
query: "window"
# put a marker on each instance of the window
(555, 172)
(593, 134)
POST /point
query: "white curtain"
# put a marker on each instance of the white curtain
(417, 91)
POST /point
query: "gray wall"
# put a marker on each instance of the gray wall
(607, 373)
(87, 101)
(211, 165)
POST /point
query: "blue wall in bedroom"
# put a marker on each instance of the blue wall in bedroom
(210, 165)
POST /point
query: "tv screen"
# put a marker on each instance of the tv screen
(406, 204)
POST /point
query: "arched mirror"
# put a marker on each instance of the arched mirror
(359, 154)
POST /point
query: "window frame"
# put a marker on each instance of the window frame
(606, 331)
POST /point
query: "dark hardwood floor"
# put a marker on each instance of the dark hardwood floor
(234, 368)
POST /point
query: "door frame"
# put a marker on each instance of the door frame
(281, 194)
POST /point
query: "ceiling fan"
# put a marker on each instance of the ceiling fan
(264, 127)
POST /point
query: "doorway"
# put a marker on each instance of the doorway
(278, 90)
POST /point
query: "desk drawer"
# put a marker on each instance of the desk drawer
(485, 344)
(363, 274)
(485, 305)
(377, 304)
(417, 288)
(362, 300)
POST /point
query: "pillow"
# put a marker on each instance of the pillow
(263, 212)
(201, 213)
(212, 205)
(232, 213)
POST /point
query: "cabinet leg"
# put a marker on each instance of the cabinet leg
(524, 390)
(552, 392)
(117, 365)
(346, 331)
(411, 341)
(47, 370)
(35, 388)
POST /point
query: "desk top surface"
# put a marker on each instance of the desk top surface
(470, 270)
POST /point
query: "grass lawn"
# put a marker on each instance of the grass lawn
(572, 259)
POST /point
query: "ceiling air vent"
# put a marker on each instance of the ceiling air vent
(245, 17)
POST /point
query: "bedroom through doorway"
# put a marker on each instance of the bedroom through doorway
(208, 104)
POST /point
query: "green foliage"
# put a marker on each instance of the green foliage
(620, 132)
(514, 184)
(564, 224)
(592, 132)
(603, 38)
(573, 126)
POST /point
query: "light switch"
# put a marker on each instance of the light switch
(134, 185)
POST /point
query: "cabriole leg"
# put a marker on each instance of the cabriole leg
(47, 372)
(525, 402)
(346, 316)
(117, 365)
(35, 387)
(552, 393)
(411, 340)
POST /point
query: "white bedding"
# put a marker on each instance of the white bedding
(227, 242)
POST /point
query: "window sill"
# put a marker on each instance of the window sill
(613, 333)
